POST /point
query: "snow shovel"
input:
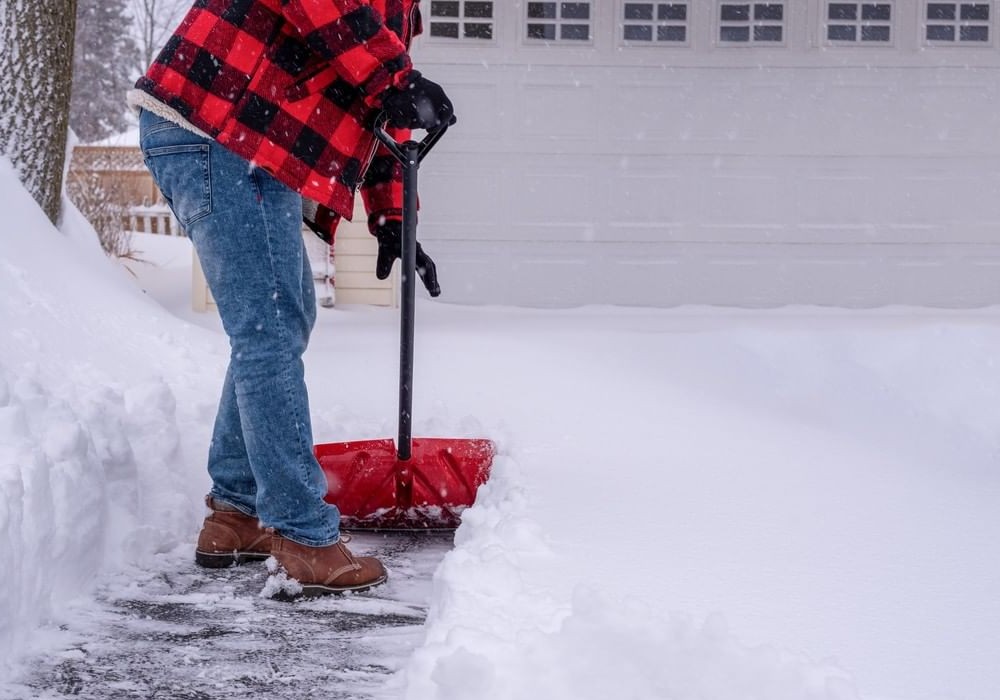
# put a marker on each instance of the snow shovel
(414, 483)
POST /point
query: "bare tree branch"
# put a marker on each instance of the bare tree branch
(155, 20)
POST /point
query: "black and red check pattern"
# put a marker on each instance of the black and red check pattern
(293, 86)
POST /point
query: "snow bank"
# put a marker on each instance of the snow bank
(494, 633)
(708, 504)
(96, 405)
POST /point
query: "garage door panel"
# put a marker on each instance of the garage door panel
(546, 203)
(647, 112)
(712, 116)
(467, 196)
(954, 116)
(833, 200)
(555, 197)
(970, 200)
(645, 198)
(759, 113)
(937, 196)
(747, 196)
(477, 107)
(554, 112)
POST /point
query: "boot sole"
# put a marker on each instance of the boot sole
(317, 591)
(219, 560)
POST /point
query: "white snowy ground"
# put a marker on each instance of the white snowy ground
(692, 503)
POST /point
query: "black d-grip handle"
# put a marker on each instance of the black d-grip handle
(396, 148)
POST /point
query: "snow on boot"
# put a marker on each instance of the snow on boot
(325, 570)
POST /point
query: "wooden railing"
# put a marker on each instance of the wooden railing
(153, 219)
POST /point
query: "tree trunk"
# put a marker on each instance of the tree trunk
(36, 76)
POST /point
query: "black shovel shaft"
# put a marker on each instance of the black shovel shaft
(409, 154)
(411, 165)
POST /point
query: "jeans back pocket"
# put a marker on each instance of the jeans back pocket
(183, 174)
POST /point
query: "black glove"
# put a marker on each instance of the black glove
(419, 104)
(390, 245)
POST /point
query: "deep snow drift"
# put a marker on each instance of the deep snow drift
(99, 396)
(688, 503)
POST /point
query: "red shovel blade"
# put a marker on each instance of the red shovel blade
(375, 490)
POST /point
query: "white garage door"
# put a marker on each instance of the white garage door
(751, 154)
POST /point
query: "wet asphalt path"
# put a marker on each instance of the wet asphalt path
(179, 632)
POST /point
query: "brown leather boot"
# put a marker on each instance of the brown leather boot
(229, 537)
(325, 570)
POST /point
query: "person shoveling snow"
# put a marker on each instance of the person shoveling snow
(249, 111)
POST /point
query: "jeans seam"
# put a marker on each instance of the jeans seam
(206, 188)
(157, 128)
(162, 127)
(283, 339)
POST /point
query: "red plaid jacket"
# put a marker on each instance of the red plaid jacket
(293, 86)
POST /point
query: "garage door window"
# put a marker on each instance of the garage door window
(742, 23)
(559, 21)
(462, 19)
(651, 23)
(950, 23)
(868, 23)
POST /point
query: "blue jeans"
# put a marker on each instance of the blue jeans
(247, 230)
